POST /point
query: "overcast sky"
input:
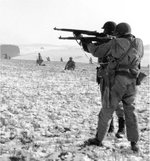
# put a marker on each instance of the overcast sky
(32, 21)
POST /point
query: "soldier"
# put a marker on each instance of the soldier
(48, 58)
(70, 64)
(39, 59)
(61, 59)
(6, 56)
(125, 53)
(90, 61)
(109, 28)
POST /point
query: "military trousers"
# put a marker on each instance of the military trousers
(125, 93)
(119, 110)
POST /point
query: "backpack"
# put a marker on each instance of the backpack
(134, 59)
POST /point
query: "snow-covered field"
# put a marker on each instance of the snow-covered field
(47, 113)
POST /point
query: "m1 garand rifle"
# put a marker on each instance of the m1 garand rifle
(78, 32)
(78, 35)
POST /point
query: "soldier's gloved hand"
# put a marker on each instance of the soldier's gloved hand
(84, 44)
(85, 41)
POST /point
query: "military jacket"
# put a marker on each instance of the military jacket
(115, 48)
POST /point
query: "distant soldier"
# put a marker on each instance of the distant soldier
(61, 59)
(48, 58)
(90, 61)
(70, 64)
(5, 56)
(39, 60)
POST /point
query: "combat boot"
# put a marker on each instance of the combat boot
(134, 147)
(121, 130)
(93, 141)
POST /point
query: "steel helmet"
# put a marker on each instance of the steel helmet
(123, 29)
(109, 26)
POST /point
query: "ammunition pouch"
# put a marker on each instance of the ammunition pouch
(101, 72)
(140, 78)
(105, 75)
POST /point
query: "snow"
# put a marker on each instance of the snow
(47, 113)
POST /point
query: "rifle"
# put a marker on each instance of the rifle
(94, 35)
(98, 38)
(78, 32)
(87, 39)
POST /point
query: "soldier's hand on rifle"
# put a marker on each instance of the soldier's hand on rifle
(84, 43)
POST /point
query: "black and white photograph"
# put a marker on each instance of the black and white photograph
(74, 80)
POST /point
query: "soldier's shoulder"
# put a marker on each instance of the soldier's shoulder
(138, 39)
